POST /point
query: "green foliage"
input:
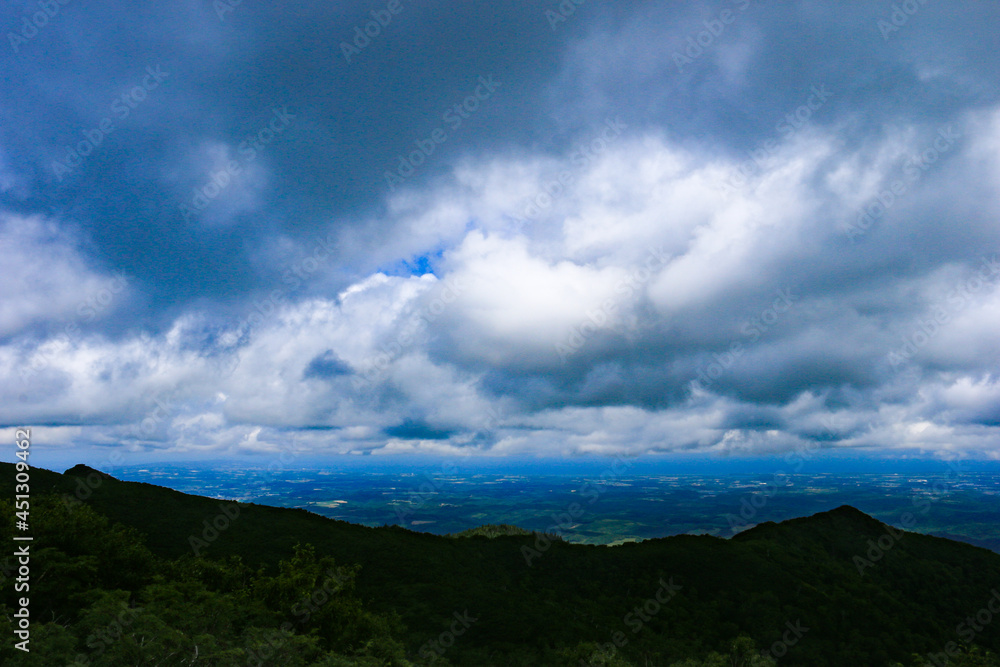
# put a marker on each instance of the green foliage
(712, 660)
(590, 653)
(492, 530)
(115, 582)
(184, 611)
(743, 652)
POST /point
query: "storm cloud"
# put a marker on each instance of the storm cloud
(534, 228)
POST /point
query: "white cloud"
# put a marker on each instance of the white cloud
(432, 350)
(47, 279)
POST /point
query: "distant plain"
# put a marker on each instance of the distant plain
(607, 504)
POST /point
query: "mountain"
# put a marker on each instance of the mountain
(836, 588)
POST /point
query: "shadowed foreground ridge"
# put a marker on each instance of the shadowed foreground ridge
(139, 574)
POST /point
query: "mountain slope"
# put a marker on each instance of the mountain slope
(854, 590)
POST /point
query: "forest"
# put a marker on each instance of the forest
(125, 573)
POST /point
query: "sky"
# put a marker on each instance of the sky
(730, 228)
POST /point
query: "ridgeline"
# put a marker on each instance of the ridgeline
(126, 573)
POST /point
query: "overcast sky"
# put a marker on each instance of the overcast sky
(509, 228)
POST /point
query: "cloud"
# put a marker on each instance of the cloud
(49, 280)
(783, 238)
(326, 365)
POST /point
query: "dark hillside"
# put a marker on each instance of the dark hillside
(856, 591)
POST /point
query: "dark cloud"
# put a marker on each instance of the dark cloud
(583, 245)
(326, 365)
(417, 430)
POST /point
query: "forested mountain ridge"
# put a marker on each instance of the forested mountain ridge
(205, 581)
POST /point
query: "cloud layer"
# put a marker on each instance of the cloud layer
(721, 228)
